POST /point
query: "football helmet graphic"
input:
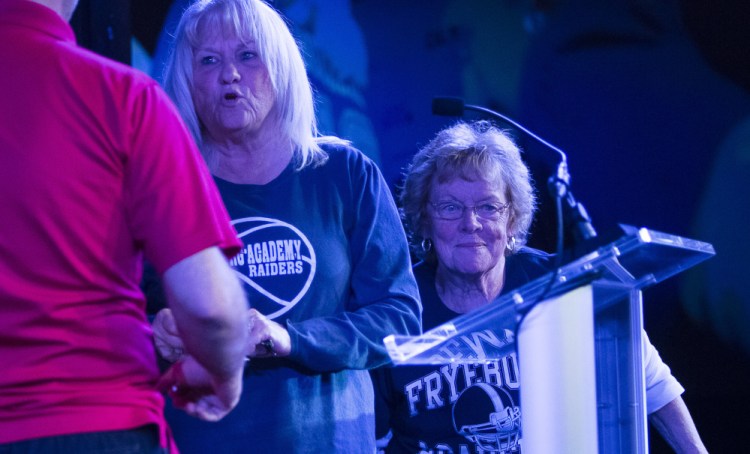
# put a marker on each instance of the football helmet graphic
(488, 417)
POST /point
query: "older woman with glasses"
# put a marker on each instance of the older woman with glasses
(468, 203)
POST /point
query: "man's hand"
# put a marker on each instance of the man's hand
(166, 337)
(195, 391)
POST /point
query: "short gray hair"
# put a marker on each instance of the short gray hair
(472, 150)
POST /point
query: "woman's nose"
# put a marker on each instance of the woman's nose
(470, 220)
(229, 73)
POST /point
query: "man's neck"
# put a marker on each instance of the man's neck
(62, 7)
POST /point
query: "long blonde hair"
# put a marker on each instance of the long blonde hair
(279, 52)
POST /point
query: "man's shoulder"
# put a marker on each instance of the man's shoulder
(91, 66)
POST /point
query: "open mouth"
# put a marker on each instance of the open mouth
(230, 96)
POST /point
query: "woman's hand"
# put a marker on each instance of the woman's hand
(266, 338)
(166, 337)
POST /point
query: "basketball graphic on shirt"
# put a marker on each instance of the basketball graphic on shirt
(276, 264)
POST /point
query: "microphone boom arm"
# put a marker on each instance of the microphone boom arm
(558, 184)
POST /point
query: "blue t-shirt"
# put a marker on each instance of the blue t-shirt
(456, 408)
(325, 255)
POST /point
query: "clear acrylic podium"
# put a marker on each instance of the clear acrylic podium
(579, 343)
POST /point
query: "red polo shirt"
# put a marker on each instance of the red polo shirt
(96, 168)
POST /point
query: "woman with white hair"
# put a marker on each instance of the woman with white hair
(326, 263)
(468, 203)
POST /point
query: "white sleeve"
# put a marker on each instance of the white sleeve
(661, 386)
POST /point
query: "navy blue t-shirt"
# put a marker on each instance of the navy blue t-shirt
(325, 255)
(456, 408)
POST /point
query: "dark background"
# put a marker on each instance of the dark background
(650, 100)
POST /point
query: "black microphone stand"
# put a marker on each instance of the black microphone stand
(558, 184)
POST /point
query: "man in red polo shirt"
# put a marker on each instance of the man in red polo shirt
(96, 172)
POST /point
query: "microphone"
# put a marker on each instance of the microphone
(558, 184)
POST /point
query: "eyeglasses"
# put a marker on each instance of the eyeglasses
(451, 211)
